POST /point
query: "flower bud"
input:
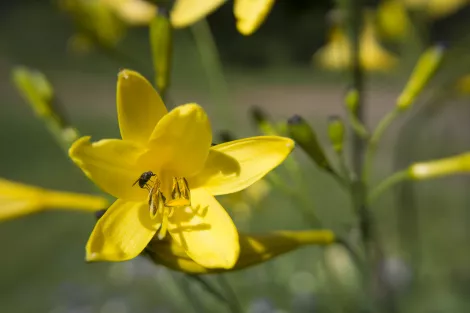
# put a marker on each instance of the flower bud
(161, 41)
(442, 167)
(422, 73)
(305, 136)
(336, 133)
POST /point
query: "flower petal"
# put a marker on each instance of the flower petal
(250, 14)
(235, 165)
(180, 143)
(121, 233)
(187, 12)
(206, 231)
(139, 106)
(111, 164)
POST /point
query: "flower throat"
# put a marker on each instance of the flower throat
(160, 208)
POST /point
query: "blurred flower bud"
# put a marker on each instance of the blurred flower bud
(422, 73)
(35, 88)
(304, 135)
(336, 131)
(19, 199)
(254, 249)
(226, 136)
(442, 167)
(161, 40)
(261, 120)
(352, 100)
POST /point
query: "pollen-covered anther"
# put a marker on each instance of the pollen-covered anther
(180, 193)
(156, 200)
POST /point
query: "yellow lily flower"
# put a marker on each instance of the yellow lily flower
(463, 85)
(19, 199)
(254, 249)
(169, 154)
(248, 13)
(393, 19)
(336, 55)
(436, 8)
(133, 12)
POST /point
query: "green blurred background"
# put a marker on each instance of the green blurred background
(423, 228)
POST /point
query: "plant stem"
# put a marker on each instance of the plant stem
(233, 303)
(374, 141)
(211, 61)
(387, 184)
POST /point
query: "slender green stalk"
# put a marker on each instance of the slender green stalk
(386, 184)
(185, 287)
(303, 205)
(234, 304)
(374, 141)
(211, 61)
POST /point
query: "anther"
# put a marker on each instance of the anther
(180, 193)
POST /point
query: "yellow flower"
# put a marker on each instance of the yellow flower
(254, 249)
(393, 19)
(133, 12)
(248, 13)
(336, 55)
(463, 84)
(18, 199)
(436, 8)
(182, 173)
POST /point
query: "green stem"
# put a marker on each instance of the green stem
(234, 304)
(303, 202)
(387, 183)
(374, 141)
(185, 287)
(211, 61)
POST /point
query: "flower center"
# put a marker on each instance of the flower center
(161, 207)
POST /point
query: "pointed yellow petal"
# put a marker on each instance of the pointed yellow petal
(18, 199)
(180, 143)
(139, 107)
(111, 164)
(235, 165)
(205, 231)
(250, 14)
(121, 233)
(187, 12)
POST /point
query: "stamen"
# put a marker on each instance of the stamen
(164, 227)
(180, 193)
(156, 200)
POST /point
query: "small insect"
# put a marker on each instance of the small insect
(144, 179)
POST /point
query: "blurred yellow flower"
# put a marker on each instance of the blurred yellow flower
(248, 13)
(436, 8)
(19, 199)
(463, 84)
(180, 173)
(133, 12)
(254, 249)
(336, 55)
(393, 19)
